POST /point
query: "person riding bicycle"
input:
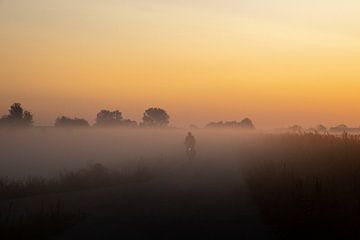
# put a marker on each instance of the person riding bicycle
(190, 146)
(190, 141)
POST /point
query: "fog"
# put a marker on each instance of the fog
(45, 152)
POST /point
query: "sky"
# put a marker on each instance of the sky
(279, 62)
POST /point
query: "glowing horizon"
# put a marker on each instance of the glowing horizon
(277, 62)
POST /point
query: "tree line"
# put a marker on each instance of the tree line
(152, 117)
(341, 128)
(245, 123)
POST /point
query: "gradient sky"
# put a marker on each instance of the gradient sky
(279, 62)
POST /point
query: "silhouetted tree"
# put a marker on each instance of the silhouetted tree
(16, 111)
(106, 118)
(155, 117)
(69, 122)
(17, 117)
(244, 124)
(247, 123)
(128, 123)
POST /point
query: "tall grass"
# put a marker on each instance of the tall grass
(93, 176)
(47, 222)
(50, 220)
(307, 185)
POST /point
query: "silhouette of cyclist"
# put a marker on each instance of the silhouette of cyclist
(190, 143)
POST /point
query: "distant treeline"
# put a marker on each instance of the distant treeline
(245, 124)
(322, 129)
(152, 117)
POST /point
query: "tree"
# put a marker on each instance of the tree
(155, 117)
(28, 117)
(106, 118)
(17, 117)
(16, 111)
(247, 123)
(244, 124)
(69, 122)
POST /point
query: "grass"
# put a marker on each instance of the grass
(49, 219)
(307, 184)
(44, 223)
(93, 176)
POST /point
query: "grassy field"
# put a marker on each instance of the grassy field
(49, 219)
(137, 184)
(302, 184)
(44, 223)
(94, 176)
(307, 184)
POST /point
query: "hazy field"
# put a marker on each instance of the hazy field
(44, 152)
(203, 198)
(242, 182)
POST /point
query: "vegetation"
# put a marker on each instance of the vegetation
(307, 184)
(92, 177)
(244, 124)
(48, 221)
(69, 122)
(296, 129)
(17, 117)
(155, 117)
(106, 118)
(343, 128)
(321, 128)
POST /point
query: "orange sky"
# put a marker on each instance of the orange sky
(277, 62)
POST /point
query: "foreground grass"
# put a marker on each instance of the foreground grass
(92, 177)
(45, 223)
(50, 220)
(307, 185)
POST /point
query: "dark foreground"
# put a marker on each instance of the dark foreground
(307, 185)
(200, 200)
